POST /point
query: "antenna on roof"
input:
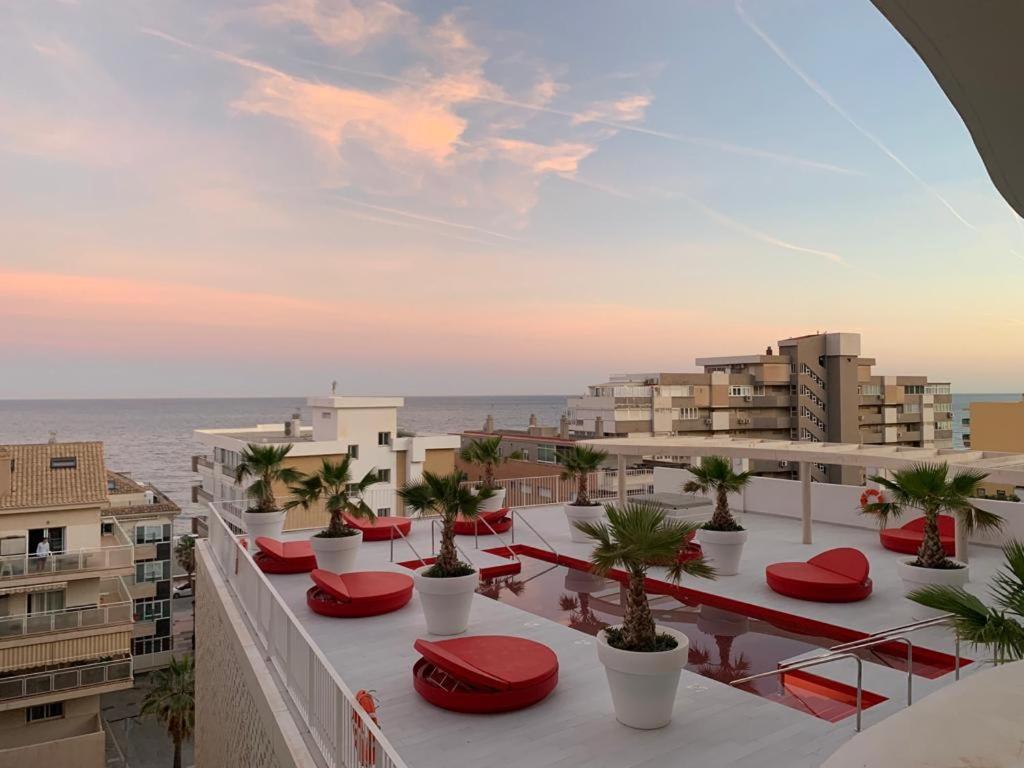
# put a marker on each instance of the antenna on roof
(53, 436)
(334, 387)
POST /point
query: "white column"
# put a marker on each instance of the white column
(622, 478)
(805, 500)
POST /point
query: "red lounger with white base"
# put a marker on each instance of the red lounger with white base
(382, 528)
(284, 556)
(485, 673)
(359, 593)
(908, 538)
(499, 521)
(836, 576)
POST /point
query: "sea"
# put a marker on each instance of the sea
(151, 439)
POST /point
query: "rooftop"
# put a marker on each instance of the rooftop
(54, 475)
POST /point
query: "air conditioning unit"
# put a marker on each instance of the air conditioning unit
(747, 398)
(742, 421)
(783, 464)
(707, 422)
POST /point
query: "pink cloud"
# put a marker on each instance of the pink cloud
(563, 158)
(628, 109)
(349, 24)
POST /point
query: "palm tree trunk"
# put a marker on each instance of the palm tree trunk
(931, 554)
(638, 625)
(177, 753)
(582, 497)
(335, 526)
(447, 555)
(488, 475)
(960, 541)
(722, 518)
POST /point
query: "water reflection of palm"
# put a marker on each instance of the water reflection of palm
(581, 615)
(727, 668)
(492, 587)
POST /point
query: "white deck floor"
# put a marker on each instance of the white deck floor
(714, 725)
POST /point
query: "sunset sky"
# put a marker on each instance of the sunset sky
(235, 198)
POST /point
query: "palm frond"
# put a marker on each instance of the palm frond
(1008, 583)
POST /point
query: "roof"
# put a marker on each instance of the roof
(118, 483)
(34, 483)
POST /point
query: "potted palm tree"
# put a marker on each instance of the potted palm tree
(721, 538)
(577, 465)
(265, 463)
(172, 701)
(1001, 628)
(930, 489)
(336, 545)
(642, 661)
(446, 588)
(486, 454)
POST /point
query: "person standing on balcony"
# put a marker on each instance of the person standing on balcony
(42, 552)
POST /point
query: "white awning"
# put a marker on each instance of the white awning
(51, 587)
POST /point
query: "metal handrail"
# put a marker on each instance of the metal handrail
(868, 642)
(535, 531)
(814, 663)
(887, 634)
(476, 536)
(408, 544)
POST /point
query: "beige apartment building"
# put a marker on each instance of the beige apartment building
(997, 426)
(816, 388)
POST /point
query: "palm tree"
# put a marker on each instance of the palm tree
(581, 615)
(637, 536)
(715, 474)
(486, 454)
(929, 488)
(333, 483)
(577, 464)
(185, 552)
(266, 464)
(449, 497)
(727, 669)
(1001, 627)
(172, 700)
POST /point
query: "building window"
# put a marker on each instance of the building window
(383, 438)
(547, 454)
(149, 533)
(151, 609)
(737, 390)
(944, 425)
(384, 475)
(759, 390)
(912, 408)
(936, 389)
(325, 414)
(689, 414)
(383, 511)
(913, 389)
(871, 389)
(152, 570)
(353, 451)
(50, 711)
(64, 462)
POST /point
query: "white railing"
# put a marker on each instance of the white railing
(384, 497)
(552, 489)
(66, 679)
(96, 559)
(341, 730)
(25, 625)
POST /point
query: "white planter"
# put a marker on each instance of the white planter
(915, 578)
(446, 602)
(591, 513)
(495, 502)
(643, 685)
(269, 524)
(337, 555)
(722, 549)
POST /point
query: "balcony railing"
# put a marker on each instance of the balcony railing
(117, 551)
(90, 617)
(552, 489)
(66, 679)
(199, 460)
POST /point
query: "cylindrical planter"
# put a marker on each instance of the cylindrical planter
(446, 601)
(722, 549)
(643, 685)
(495, 502)
(589, 513)
(269, 524)
(915, 577)
(336, 554)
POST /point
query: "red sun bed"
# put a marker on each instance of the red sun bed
(484, 674)
(908, 539)
(499, 521)
(382, 528)
(836, 576)
(359, 593)
(284, 556)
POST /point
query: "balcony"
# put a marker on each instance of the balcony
(115, 554)
(19, 691)
(71, 741)
(199, 494)
(115, 609)
(200, 460)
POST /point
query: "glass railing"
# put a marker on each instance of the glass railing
(89, 617)
(65, 679)
(98, 559)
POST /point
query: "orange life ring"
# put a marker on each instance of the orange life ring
(872, 496)
(365, 742)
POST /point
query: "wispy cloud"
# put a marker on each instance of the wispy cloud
(342, 23)
(422, 218)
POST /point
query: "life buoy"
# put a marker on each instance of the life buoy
(871, 496)
(365, 742)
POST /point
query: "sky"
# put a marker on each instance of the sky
(243, 198)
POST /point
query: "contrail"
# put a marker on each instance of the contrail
(426, 219)
(574, 116)
(831, 102)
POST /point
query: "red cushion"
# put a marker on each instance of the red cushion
(284, 557)
(358, 594)
(382, 528)
(845, 561)
(498, 520)
(947, 525)
(908, 538)
(331, 583)
(809, 582)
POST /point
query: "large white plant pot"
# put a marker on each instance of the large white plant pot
(446, 602)
(915, 578)
(269, 524)
(591, 513)
(495, 502)
(643, 685)
(337, 555)
(722, 549)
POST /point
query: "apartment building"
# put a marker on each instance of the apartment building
(147, 515)
(816, 388)
(66, 612)
(363, 428)
(997, 426)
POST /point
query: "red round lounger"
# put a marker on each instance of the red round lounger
(382, 528)
(357, 594)
(836, 576)
(284, 556)
(908, 538)
(499, 521)
(484, 674)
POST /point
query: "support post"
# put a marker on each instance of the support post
(805, 501)
(622, 479)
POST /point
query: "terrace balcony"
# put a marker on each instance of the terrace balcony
(115, 610)
(71, 741)
(114, 557)
(64, 682)
(201, 460)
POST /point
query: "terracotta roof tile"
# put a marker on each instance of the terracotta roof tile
(35, 483)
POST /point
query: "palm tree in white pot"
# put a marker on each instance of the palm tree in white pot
(642, 661)
(486, 454)
(578, 464)
(336, 545)
(266, 464)
(446, 588)
(721, 538)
